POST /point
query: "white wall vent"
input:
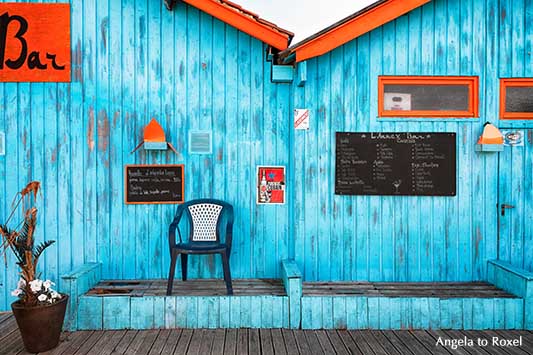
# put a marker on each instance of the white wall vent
(200, 142)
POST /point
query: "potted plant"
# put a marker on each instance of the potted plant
(39, 310)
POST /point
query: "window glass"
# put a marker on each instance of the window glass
(519, 98)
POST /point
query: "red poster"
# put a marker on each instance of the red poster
(34, 42)
(271, 185)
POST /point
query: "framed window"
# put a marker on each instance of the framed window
(516, 98)
(428, 96)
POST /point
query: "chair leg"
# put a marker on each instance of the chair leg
(173, 257)
(227, 274)
(184, 267)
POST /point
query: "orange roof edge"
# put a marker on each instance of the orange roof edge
(244, 21)
(346, 30)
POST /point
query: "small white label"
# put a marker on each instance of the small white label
(513, 138)
(397, 102)
(301, 118)
(2, 144)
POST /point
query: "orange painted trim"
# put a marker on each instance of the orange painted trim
(516, 82)
(242, 22)
(356, 27)
(154, 203)
(45, 32)
(471, 81)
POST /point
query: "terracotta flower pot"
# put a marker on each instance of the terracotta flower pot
(40, 326)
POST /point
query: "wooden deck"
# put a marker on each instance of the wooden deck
(406, 289)
(265, 341)
(194, 287)
(274, 287)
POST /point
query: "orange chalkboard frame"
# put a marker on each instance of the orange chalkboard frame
(154, 166)
(43, 30)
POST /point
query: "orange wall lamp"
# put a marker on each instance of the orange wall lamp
(154, 138)
(491, 139)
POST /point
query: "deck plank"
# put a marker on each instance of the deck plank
(90, 343)
(349, 343)
(324, 341)
(267, 347)
(242, 342)
(230, 342)
(149, 339)
(70, 342)
(254, 342)
(159, 342)
(313, 342)
(361, 342)
(218, 342)
(374, 344)
(106, 344)
(196, 341)
(278, 342)
(301, 342)
(171, 342)
(183, 342)
(125, 342)
(289, 341)
(337, 343)
(207, 341)
(384, 342)
(408, 341)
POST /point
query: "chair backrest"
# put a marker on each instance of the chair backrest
(205, 217)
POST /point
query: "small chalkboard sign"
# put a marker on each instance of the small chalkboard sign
(395, 163)
(154, 184)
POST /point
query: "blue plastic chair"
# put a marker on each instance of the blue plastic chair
(208, 220)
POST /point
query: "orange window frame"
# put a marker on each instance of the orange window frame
(471, 81)
(513, 82)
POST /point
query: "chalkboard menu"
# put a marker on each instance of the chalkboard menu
(154, 184)
(393, 163)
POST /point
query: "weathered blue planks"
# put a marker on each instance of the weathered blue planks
(125, 312)
(348, 312)
(134, 60)
(75, 284)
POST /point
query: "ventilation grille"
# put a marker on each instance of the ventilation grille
(200, 142)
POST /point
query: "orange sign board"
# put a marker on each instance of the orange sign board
(34, 42)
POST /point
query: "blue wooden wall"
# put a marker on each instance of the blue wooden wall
(131, 61)
(134, 60)
(409, 238)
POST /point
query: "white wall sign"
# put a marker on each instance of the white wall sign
(2, 143)
(513, 138)
(397, 102)
(301, 118)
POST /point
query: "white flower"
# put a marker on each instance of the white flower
(16, 292)
(55, 295)
(21, 284)
(47, 284)
(36, 285)
(42, 298)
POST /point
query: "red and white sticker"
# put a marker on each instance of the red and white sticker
(301, 118)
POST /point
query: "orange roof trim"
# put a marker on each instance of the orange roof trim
(242, 19)
(353, 26)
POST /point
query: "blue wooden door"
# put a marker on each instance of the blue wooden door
(515, 202)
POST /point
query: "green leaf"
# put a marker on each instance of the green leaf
(41, 247)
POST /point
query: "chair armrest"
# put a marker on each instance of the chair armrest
(173, 226)
(229, 227)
